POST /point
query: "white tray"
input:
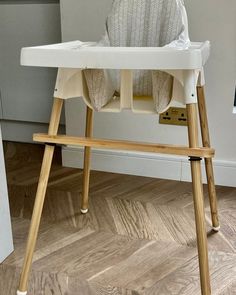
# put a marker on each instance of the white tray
(75, 55)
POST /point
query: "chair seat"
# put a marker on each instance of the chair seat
(80, 55)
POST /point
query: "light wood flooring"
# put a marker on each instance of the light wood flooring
(138, 237)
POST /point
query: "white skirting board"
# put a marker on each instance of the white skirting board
(151, 165)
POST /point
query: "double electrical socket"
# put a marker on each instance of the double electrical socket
(174, 116)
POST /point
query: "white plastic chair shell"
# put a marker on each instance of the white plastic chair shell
(72, 57)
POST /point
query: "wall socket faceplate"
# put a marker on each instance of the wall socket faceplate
(174, 116)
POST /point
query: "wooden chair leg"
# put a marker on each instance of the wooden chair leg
(87, 160)
(40, 196)
(198, 202)
(208, 162)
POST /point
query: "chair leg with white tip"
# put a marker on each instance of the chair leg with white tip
(198, 198)
(208, 162)
(40, 196)
(87, 161)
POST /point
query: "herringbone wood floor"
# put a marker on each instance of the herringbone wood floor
(138, 237)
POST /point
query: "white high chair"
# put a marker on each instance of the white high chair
(186, 66)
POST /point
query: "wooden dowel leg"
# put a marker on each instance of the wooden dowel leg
(208, 162)
(40, 196)
(198, 202)
(87, 160)
(212, 194)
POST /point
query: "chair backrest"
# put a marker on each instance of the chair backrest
(142, 23)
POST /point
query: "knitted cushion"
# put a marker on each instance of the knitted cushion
(139, 23)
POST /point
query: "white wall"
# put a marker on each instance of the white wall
(208, 20)
(216, 21)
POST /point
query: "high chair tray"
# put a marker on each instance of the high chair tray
(86, 55)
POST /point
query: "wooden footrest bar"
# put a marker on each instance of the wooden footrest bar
(126, 145)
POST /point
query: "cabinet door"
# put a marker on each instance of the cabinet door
(0, 104)
(26, 92)
(5, 222)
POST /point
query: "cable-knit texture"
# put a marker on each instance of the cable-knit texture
(138, 23)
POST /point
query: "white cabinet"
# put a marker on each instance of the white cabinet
(0, 105)
(26, 92)
(6, 243)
